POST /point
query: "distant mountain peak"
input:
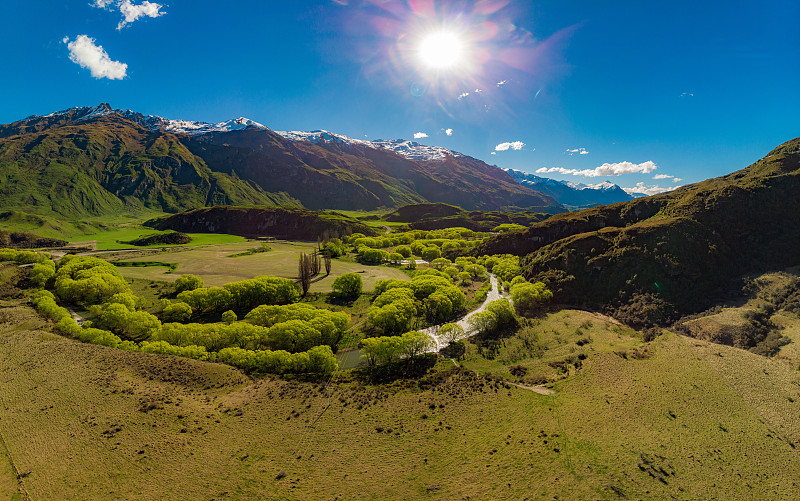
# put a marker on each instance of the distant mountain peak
(570, 193)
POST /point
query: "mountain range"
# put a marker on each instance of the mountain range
(573, 194)
(97, 160)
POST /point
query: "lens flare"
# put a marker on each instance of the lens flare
(441, 50)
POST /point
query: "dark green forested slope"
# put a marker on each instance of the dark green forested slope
(682, 245)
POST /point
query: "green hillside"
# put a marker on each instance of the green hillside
(683, 246)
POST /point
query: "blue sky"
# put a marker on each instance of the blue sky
(617, 90)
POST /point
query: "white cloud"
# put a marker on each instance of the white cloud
(84, 52)
(662, 176)
(581, 151)
(514, 145)
(648, 190)
(677, 179)
(463, 95)
(419, 135)
(493, 153)
(131, 12)
(502, 83)
(687, 94)
(449, 132)
(615, 169)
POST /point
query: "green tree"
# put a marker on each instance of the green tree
(529, 298)
(403, 250)
(450, 333)
(348, 285)
(483, 322)
(188, 282)
(504, 314)
(229, 317)
(431, 253)
(177, 312)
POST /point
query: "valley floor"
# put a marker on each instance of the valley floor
(676, 418)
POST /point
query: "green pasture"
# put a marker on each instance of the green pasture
(215, 266)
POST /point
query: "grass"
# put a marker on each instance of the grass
(162, 427)
(109, 231)
(550, 348)
(215, 266)
(110, 240)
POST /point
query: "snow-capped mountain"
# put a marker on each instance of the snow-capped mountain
(154, 122)
(408, 149)
(573, 194)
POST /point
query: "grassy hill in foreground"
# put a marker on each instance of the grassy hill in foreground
(673, 418)
(683, 245)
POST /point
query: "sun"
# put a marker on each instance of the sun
(441, 50)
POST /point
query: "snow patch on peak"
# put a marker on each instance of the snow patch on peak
(605, 185)
(322, 136)
(408, 149)
(414, 150)
(193, 127)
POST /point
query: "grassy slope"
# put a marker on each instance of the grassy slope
(155, 426)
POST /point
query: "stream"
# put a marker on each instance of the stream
(349, 359)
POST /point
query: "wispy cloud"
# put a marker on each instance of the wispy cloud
(615, 169)
(514, 145)
(449, 132)
(130, 11)
(687, 94)
(84, 52)
(463, 95)
(502, 83)
(677, 179)
(662, 176)
(647, 190)
(580, 151)
(419, 135)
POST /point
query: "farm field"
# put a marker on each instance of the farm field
(681, 419)
(216, 268)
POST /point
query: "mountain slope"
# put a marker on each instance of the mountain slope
(682, 245)
(96, 160)
(107, 163)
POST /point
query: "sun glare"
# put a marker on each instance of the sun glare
(441, 50)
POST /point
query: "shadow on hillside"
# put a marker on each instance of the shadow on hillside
(405, 369)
